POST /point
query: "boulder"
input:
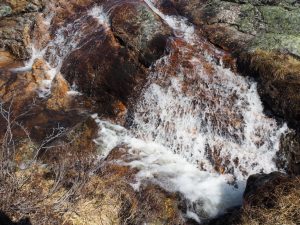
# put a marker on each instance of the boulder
(7, 60)
(139, 28)
(16, 25)
(15, 35)
(111, 64)
(103, 70)
(290, 145)
(22, 6)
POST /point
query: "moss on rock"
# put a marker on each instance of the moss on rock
(5, 10)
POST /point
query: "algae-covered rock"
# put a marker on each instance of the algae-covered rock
(5, 10)
(25, 6)
(15, 35)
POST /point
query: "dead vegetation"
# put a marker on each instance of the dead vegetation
(58, 179)
(278, 79)
(275, 66)
(51, 180)
(275, 204)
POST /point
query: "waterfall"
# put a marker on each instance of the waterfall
(198, 128)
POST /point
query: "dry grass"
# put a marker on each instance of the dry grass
(281, 205)
(50, 181)
(63, 193)
(275, 66)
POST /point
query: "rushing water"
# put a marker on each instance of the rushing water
(197, 128)
(191, 114)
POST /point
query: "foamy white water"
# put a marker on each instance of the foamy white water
(168, 142)
(100, 15)
(207, 194)
(179, 24)
(198, 128)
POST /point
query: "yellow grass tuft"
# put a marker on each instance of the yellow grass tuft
(275, 66)
(285, 211)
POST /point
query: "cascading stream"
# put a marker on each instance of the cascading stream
(198, 128)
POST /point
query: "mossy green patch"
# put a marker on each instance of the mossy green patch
(5, 10)
(280, 20)
(281, 42)
(250, 19)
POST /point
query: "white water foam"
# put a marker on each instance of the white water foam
(174, 173)
(109, 136)
(189, 125)
(159, 165)
(100, 15)
(180, 25)
(187, 119)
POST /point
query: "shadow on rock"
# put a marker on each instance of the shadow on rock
(5, 220)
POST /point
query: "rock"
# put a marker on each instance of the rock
(7, 60)
(15, 35)
(17, 89)
(290, 145)
(67, 10)
(24, 6)
(141, 29)
(5, 10)
(257, 182)
(76, 142)
(106, 78)
(16, 25)
(110, 66)
(278, 79)
(59, 99)
(271, 199)
(41, 33)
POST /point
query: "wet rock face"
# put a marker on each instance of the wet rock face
(16, 25)
(111, 63)
(291, 147)
(15, 35)
(139, 28)
(103, 70)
